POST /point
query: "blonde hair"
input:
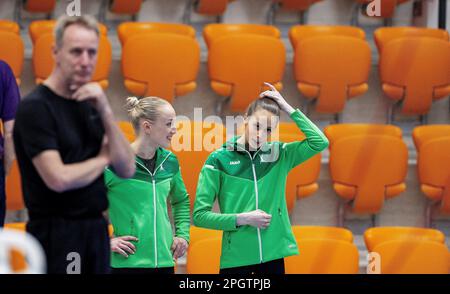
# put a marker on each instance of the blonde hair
(145, 108)
(86, 21)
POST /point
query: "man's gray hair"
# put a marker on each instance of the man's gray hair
(64, 21)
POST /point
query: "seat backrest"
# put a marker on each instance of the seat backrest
(12, 51)
(335, 132)
(299, 33)
(320, 232)
(174, 59)
(40, 27)
(406, 256)
(125, 6)
(334, 64)
(211, 7)
(433, 168)
(13, 189)
(198, 234)
(203, 257)
(128, 29)
(43, 61)
(423, 134)
(375, 236)
(246, 62)
(40, 6)
(369, 163)
(9, 26)
(385, 35)
(419, 65)
(216, 31)
(323, 256)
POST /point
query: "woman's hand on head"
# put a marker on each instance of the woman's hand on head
(277, 97)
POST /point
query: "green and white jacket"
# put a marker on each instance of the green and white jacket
(138, 207)
(241, 183)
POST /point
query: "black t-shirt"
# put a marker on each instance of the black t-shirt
(149, 163)
(46, 121)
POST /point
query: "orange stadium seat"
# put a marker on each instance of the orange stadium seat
(238, 65)
(198, 234)
(40, 27)
(366, 170)
(337, 131)
(213, 32)
(409, 256)
(375, 236)
(128, 29)
(300, 33)
(131, 7)
(43, 62)
(12, 51)
(331, 69)
(323, 256)
(203, 257)
(13, 188)
(9, 26)
(320, 232)
(432, 144)
(34, 6)
(382, 36)
(206, 7)
(415, 77)
(192, 145)
(176, 76)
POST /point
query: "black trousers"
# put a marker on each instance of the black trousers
(139, 271)
(73, 246)
(271, 267)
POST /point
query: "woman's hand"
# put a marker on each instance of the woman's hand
(256, 218)
(275, 95)
(179, 247)
(122, 245)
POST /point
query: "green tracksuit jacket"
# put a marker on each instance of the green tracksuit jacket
(243, 183)
(138, 207)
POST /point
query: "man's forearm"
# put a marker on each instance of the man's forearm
(121, 154)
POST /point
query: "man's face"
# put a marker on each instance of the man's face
(77, 56)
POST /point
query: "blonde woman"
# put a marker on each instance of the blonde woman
(143, 240)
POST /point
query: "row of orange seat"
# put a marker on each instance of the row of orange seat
(368, 164)
(325, 250)
(330, 250)
(331, 63)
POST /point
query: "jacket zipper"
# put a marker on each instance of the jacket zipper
(155, 239)
(255, 181)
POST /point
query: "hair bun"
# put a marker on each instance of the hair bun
(132, 102)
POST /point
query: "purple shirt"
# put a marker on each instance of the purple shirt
(9, 97)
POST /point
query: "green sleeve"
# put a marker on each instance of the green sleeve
(315, 142)
(179, 200)
(208, 188)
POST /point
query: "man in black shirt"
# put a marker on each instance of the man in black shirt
(65, 135)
